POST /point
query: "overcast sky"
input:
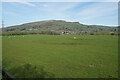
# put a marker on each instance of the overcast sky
(95, 13)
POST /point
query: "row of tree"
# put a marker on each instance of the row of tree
(49, 32)
(29, 32)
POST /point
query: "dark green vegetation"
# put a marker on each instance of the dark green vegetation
(57, 27)
(61, 56)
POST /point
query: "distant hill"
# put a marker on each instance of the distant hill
(59, 26)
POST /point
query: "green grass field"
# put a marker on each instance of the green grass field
(60, 56)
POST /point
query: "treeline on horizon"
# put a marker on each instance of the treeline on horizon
(29, 32)
(49, 32)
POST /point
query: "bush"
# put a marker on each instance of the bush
(29, 32)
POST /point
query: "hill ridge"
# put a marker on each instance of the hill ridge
(58, 26)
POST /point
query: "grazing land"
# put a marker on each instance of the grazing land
(61, 56)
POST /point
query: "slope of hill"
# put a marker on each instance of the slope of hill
(44, 25)
(58, 26)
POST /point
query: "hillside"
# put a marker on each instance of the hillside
(44, 25)
(58, 26)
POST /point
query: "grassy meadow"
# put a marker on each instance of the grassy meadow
(61, 56)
